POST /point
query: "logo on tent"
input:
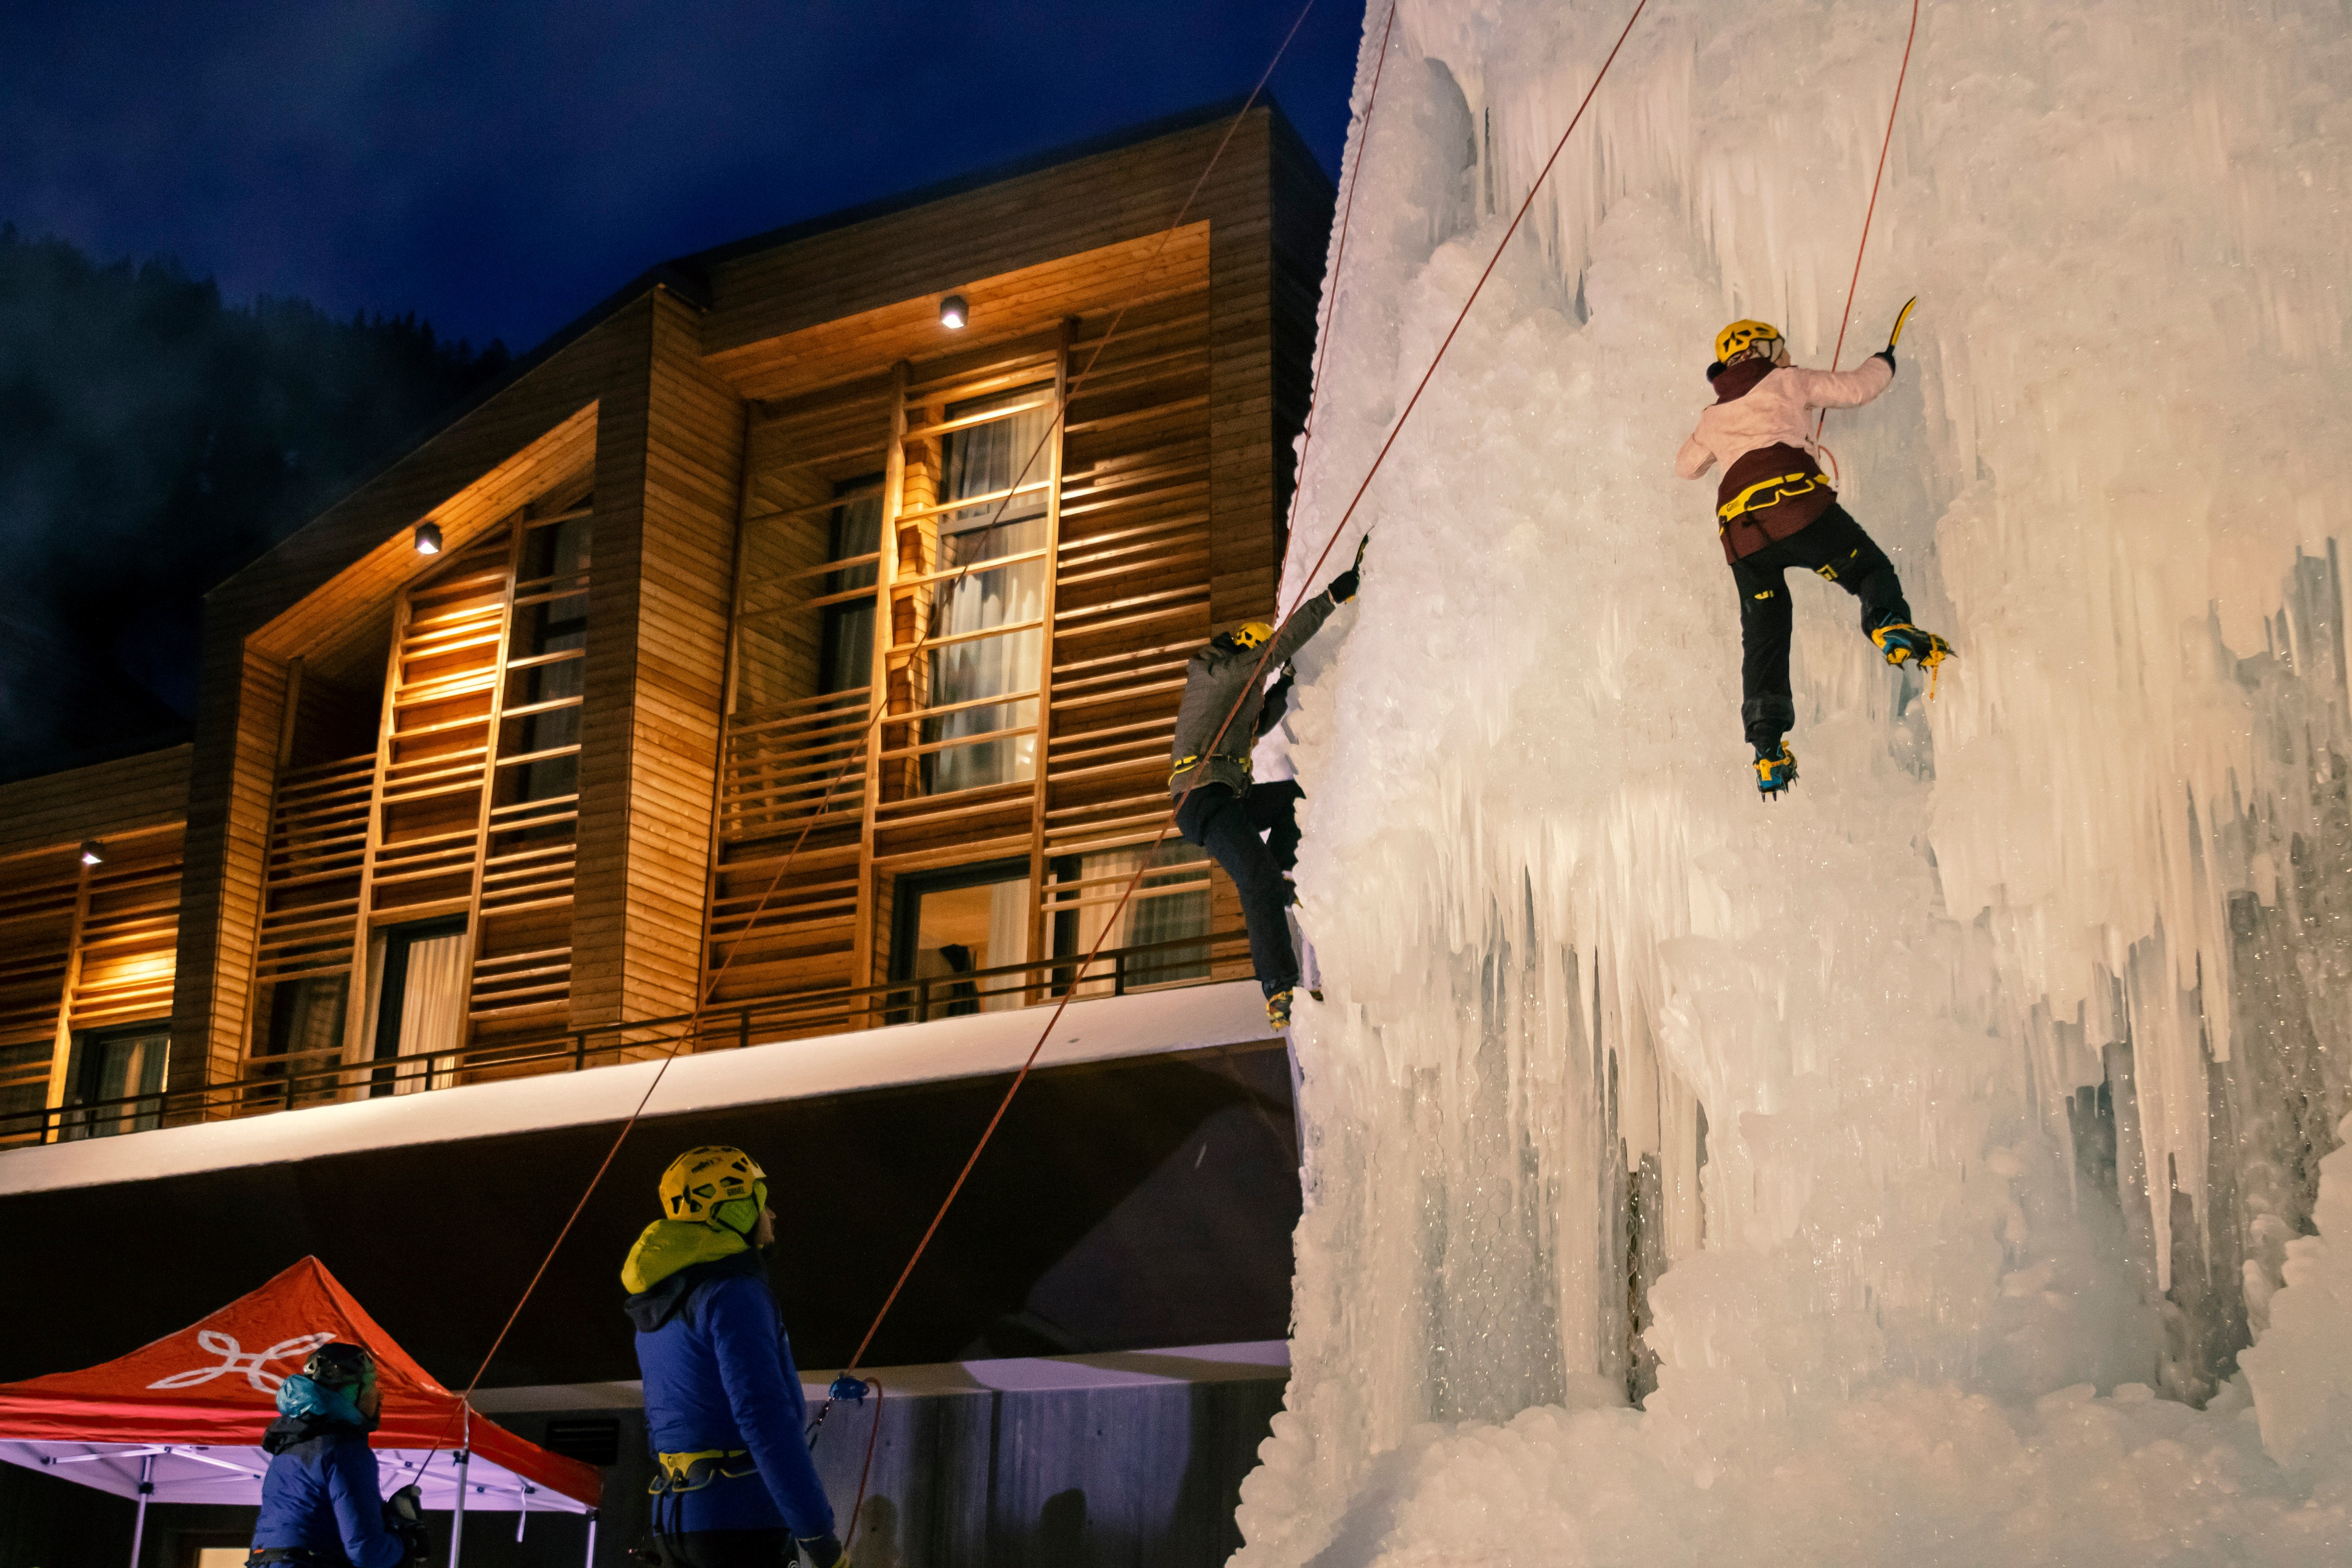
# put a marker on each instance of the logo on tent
(234, 1358)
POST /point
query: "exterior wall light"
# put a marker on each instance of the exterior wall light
(428, 539)
(952, 312)
(92, 852)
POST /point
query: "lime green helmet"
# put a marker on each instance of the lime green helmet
(716, 1185)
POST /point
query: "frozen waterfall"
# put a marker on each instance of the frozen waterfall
(1893, 1174)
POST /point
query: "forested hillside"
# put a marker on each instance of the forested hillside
(152, 440)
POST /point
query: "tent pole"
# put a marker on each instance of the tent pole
(457, 1515)
(138, 1520)
(590, 1561)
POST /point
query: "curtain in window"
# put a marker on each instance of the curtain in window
(1008, 942)
(431, 1018)
(979, 461)
(1170, 917)
(114, 1066)
(432, 1009)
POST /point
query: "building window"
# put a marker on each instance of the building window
(960, 922)
(846, 637)
(547, 657)
(416, 1002)
(1170, 906)
(115, 1066)
(981, 463)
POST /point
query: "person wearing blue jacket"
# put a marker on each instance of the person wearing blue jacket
(320, 1503)
(723, 1405)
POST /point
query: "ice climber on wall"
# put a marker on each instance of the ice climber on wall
(320, 1502)
(1251, 830)
(723, 1405)
(1775, 509)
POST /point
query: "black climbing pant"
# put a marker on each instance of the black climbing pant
(1833, 546)
(728, 1549)
(1227, 825)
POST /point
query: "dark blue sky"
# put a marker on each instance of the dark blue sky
(499, 167)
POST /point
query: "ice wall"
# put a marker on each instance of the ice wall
(1904, 1144)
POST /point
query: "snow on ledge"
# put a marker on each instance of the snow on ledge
(1192, 1017)
(1248, 1361)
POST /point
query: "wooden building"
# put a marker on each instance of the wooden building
(788, 662)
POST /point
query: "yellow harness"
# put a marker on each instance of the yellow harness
(1183, 763)
(1747, 500)
(692, 1472)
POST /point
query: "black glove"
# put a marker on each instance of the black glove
(1343, 588)
(403, 1516)
(822, 1550)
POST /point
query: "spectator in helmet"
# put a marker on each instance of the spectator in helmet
(723, 1405)
(320, 1503)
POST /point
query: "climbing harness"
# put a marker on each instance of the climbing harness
(1782, 485)
(683, 1473)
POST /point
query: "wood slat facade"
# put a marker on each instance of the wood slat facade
(760, 593)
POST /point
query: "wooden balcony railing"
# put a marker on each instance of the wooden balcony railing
(323, 1078)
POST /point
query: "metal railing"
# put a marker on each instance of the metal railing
(302, 1078)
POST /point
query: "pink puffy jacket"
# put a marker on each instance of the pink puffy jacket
(1772, 413)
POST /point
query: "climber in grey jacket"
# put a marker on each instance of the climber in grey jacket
(1223, 712)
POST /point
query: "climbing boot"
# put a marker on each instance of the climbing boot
(1277, 1010)
(1775, 770)
(1902, 643)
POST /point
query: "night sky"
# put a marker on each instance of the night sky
(498, 168)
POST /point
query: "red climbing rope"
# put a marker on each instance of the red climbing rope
(865, 1470)
(1846, 318)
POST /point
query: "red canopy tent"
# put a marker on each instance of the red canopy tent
(180, 1420)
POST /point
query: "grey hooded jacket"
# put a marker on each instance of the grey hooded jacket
(1218, 674)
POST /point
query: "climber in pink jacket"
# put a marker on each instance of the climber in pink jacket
(1775, 509)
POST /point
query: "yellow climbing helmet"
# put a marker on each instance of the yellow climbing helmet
(718, 1184)
(1252, 634)
(1742, 335)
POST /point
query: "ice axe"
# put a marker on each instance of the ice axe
(1902, 317)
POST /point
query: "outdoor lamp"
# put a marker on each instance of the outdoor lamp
(91, 853)
(428, 539)
(952, 312)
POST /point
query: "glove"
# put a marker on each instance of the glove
(403, 1517)
(846, 1387)
(1343, 588)
(822, 1550)
(1901, 318)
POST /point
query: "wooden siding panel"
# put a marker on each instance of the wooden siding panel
(126, 797)
(655, 680)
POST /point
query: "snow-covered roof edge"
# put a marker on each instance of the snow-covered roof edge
(1192, 1017)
